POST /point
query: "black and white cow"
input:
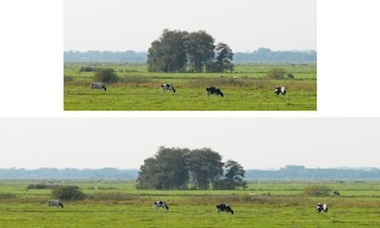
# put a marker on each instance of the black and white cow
(98, 85)
(161, 204)
(224, 207)
(336, 193)
(279, 89)
(322, 207)
(167, 86)
(290, 76)
(214, 90)
(55, 203)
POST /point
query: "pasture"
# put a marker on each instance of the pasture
(245, 89)
(117, 203)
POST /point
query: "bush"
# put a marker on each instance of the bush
(40, 186)
(317, 190)
(106, 75)
(276, 73)
(67, 193)
(7, 195)
(68, 78)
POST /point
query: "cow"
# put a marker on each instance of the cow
(214, 90)
(322, 207)
(55, 202)
(224, 207)
(279, 89)
(167, 86)
(336, 193)
(98, 85)
(290, 76)
(161, 204)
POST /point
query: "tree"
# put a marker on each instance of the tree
(166, 170)
(224, 57)
(168, 54)
(234, 175)
(200, 50)
(205, 167)
(106, 75)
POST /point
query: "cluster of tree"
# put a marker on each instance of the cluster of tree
(176, 168)
(174, 51)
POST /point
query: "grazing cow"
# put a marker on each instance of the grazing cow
(224, 207)
(55, 202)
(336, 193)
(161, 204)
(167, 86)
(214, 90)
(98, 85)
(290, 76)
(280, 89)
(322, 207)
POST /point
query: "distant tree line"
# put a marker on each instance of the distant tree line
(300, 172)
(259, 55)
(69, 173)
(99, 56)
(176, 168)
(288, 172)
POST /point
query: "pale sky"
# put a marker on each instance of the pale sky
(34, 36)
(256, 143)
(244, 25)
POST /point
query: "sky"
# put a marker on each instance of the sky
(35, 130)
(123, 143)
(244, 25)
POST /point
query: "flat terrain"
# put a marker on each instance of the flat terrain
(247, 88)
(119, 204)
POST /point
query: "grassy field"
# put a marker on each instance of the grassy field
(245, 89)
(120, 204)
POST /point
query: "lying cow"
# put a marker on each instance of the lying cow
(214, 90)
(224, 207)
(280, 89)
(161, 204)
(322, 207)
(55, 203)
(167, 86)
(98, 85)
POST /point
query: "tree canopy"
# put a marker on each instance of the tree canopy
(180, 51)
(176, 168)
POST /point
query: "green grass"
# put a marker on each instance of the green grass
(244, 89)
(120, 204)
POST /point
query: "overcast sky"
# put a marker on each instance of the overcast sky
(34, 35)
(256, 143)
(244, 25)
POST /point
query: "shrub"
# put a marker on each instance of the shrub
(67, 193)
(317, 190)
(88, 69)
(7, 195)
(40, 186)
(276, 73)
(68, 78)
(106, 75)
